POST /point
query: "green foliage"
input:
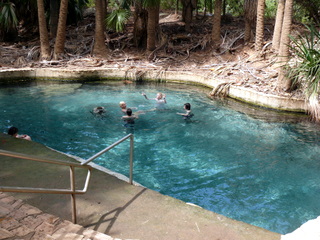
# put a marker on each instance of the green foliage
(116, 19)
(8, 18)
(306, 71)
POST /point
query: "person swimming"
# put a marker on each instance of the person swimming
(124, 107)
(188, 114)
(99, 110)
(13, 131)
(160, 100)
(129, 117)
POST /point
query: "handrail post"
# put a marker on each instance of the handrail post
(131, 159)
(73, 195)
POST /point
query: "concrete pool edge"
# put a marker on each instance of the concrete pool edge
(236, 92)
(139, 213)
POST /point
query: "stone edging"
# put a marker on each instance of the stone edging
(236, 92)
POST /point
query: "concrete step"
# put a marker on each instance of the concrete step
(19, 220)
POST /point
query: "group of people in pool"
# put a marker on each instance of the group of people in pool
(130, 117)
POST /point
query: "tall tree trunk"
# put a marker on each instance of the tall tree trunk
(140, 25)
(151, 28)
(260, 25)
(61, 32)
(99, 48)
(187, 12)
(283, 81)
(44, 37)
(216, 27)
(278, 25)
(250, 17)
(54, 17)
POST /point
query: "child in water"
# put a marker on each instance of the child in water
(188, 114)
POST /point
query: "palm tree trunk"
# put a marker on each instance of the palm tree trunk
(151, 28)
(250, 17)
(284, 82)
(99, 48)
(44, 37)
(61, 32)
(216, 27)
(260, 25)
(278, 25)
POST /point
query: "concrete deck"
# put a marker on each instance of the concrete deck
(112, 206)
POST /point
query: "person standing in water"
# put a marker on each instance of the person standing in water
(188, 114)
(129, 117)
(160, 100)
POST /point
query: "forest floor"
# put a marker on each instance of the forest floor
(234, 62)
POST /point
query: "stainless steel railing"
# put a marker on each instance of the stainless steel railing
(72, 191)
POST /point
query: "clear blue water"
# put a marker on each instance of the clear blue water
(265, 173)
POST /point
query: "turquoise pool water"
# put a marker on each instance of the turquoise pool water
(265, 173)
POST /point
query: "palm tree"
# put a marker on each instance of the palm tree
(278, 25)
(44, 38)
(216, 27)
(8, 21)
(99, 48)
(61, 32)
(283, 81)
(260, 25)
(250, 16)
(152, 7)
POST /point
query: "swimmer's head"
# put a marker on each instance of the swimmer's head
(99, 110)
(129, 112)
(159, 95)
(187, 106)
(122, 104)
(12, 131)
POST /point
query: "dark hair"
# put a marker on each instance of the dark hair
(188, 106)
(12, 131)
(129, 112)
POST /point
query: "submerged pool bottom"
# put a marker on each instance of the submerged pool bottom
(260, 171)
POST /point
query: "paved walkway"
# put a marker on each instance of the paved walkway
(19, 220)
(112, 206)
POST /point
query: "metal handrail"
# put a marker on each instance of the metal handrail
(112, 146)
(72, 191)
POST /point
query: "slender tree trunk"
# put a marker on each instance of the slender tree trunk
(151, 28)
(250, 17)
(278, 26)
(216, 27)
(61, 32)
(44, 37)
(283, 81)
(99, 48)
(140, 25)
(260, 25)
(187, 12)
(54, 17)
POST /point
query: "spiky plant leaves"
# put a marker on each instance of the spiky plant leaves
(116, 19)
(8, 18)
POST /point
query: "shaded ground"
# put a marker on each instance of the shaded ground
(234, 62)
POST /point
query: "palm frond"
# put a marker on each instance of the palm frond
(116, 19)
(8, 18)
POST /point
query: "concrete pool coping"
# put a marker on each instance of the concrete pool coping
(236, 92)
(118, 209)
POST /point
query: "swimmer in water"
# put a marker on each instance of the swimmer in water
(13, 131)
(99, 110)
(188, 114)
(129, 117)
(124, 107)
(160, 100)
